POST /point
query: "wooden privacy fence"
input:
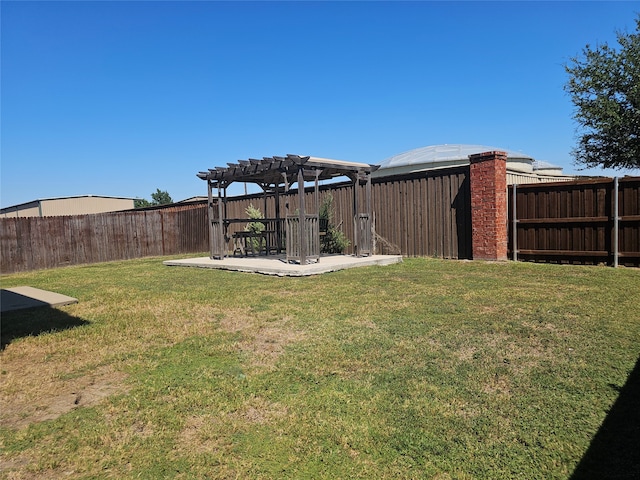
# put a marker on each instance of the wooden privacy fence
(583, 222)
(34, 243)
(422, 214)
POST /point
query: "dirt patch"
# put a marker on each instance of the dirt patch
(259, 411)
(59, 397)
(210, 433)
(499, 386)
(200, 435)
(261, 341)
(17, 462)
(465, 353)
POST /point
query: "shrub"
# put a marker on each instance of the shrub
(254, 227)
(334, 240)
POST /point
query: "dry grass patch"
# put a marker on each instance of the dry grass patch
(258, 410)
(498, 385)
(263, 342)
(46, 376)
(48, 399)
(213, 434)
(204, 434)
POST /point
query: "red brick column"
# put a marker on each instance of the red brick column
(488, 180)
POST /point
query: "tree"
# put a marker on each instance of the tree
(334, 240)
(604, 85)
(141, 203)
(160, 197)
(256, 227)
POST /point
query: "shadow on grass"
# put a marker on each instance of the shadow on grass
(35, 321)
(614, 452)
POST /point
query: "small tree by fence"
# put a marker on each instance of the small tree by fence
(333, 239)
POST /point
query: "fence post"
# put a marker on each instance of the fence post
(615, 222)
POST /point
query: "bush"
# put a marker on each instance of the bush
(334, 240)
(254, 227)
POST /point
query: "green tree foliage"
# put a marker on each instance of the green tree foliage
(604, 85)
(254, 213)
(334, 240)
(141, 203)
(160, 197)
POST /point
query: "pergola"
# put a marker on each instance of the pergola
(276, 175)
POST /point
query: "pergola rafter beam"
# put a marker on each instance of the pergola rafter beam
(269, 169)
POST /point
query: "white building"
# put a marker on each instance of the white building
(521, 168)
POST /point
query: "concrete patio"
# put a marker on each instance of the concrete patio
(275, 265)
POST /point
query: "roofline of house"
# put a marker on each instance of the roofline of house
(67, 197)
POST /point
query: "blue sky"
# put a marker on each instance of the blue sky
(121, 98)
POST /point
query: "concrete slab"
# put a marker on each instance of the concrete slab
(18, 298)
(276, 265)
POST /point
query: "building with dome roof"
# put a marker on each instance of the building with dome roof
(521, 168)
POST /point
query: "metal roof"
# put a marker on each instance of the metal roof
(541, 165)
(446, 153)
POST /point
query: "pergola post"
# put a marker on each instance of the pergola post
(278, 226)
(222, 214)
(315, 223)
(356, 215)
(301, 217)
(216, 225)
(369, 193)
(288, 232)
(317, 193)
(210, 216)
(362, 221)
(369, 246)
(264, 198)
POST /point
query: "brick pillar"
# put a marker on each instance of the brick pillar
(488, 181)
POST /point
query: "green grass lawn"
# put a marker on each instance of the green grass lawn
(425, 369)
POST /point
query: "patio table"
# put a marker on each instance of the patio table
(252, 242)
